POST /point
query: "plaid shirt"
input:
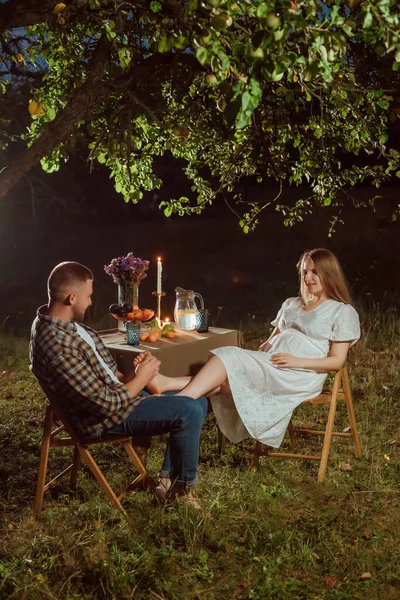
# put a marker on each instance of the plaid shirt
(64, 362)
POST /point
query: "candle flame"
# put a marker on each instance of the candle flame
(159, 258)
(167, 320)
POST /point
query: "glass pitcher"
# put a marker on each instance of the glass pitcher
(185, 308)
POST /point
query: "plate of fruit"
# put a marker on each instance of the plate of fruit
(154, 332)
(127, 312)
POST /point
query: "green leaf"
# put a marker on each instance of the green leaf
(318, 132)
(124, 57)
(202, 55)
(383, 104)
(246, 100)
(50, 113)
(383, 138)
(163, 45)
(180, 42)
(192, 6)
(398, 174)
(323, 52)
(243, 119)
(368, 20)
(168, 211)
(155, 6)
(263, 11)
(110, 33)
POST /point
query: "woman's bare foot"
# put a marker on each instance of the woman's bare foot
(157, 385)
(139, 359)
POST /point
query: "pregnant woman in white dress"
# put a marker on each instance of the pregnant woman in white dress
(253, 393)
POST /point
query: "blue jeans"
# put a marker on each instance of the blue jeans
(180, 416)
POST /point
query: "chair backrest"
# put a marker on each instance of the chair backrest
(59, 414)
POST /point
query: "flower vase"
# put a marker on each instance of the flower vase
(130, 294)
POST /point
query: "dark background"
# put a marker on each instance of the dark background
(75, 215)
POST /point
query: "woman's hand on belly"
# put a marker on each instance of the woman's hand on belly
(286, 361)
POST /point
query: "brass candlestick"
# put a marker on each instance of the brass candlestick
(159, 296)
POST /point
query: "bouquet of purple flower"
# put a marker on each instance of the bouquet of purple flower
(127, 270)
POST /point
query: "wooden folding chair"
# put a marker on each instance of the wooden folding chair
(56, 423)
(339, 391)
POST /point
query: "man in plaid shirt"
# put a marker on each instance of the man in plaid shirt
(71, 361)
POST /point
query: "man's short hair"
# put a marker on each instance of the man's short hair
(63, 276)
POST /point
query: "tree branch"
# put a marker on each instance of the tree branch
(88, 95)
(24, 72)
(21, 13)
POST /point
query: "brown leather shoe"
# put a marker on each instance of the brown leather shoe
(161, 490)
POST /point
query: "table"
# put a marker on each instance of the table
(181, 356)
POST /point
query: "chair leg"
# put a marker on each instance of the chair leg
(329, 429)
(256, 457)
(350, 410)
(44, 456)
(75, 469)
(221, 442)
(91, 463)
(292, 435)
(142, 478)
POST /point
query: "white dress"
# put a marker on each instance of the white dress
(263, 396)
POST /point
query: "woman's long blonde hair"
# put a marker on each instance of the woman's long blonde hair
(330, 273)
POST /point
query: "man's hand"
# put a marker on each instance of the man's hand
(286, 361)
(147, 369)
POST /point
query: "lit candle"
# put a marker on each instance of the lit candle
(166, 321)
(159, 271)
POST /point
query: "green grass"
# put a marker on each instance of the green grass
(274, 534)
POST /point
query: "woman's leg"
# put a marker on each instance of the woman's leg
(208, 379)
(161, 383)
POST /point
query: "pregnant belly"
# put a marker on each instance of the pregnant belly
(296, 343)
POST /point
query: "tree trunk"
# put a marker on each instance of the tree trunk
(90, 92)
(54, 135)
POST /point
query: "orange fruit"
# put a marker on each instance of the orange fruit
(35, 108)
(170, 335)
(153, 338)
(59, 8)
(144, 337)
